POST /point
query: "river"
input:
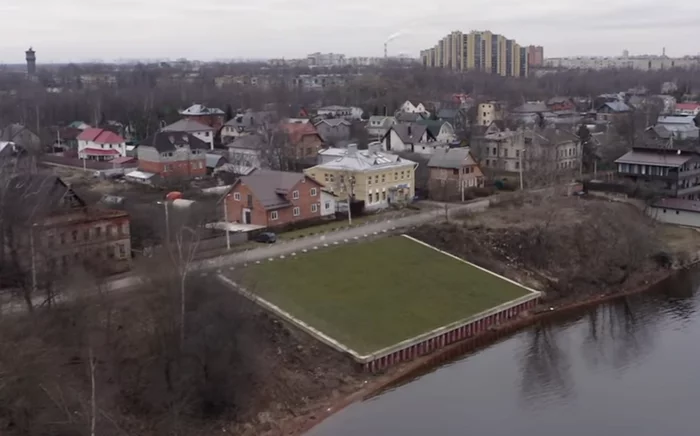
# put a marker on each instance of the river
(631, 367)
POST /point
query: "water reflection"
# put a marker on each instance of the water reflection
(629, 367)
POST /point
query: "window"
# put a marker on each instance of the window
(49, 240)
(677, 212)
(383, 195)
(313, 192)
(98, 232)
(63, 238)
(295, 195)
(327, 205)
(206, 134)
(376, 197)
(517, 165)
(402, 174)
(166, 168)
(376, 179)
(455, 172)
(332, 178)
(369, 180)
(325, 177)
(75, 235)
(495, 151)
(517, 153)
(237, 196)
(274, 215)
(125, 228)
(110, 251)
(112, 230)
(86, 234)
(122, 251)
(383, 178)
(396, 176)
(296, 211)
(314, 208)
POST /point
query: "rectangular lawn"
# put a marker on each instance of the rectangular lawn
(371, 295)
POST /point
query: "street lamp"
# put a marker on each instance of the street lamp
(167, 220)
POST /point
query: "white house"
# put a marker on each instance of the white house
(689, 109)
(676, 211)
(378, 125)
(195, 128)
(100, 144)
(411, 137)
(410, 108)
(328, 203)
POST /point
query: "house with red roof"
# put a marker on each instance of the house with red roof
(100, 144)
(689, 108)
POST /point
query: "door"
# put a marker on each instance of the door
(246, 216)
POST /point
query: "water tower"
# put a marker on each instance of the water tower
(31, 61)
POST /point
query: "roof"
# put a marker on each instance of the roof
(691, 106)
(384, 120)
(141, 175)
(335, 108)
(409, 116)
(559, 100)
(351, 159)
(100, 136)
(616, 106)
(531, 107)
(214, 160)
(187, 126)
(200, 109)
(678, 204)
(269, 187)
(447, 114)
(123, 160)
(100, 152)
(249, 119)
(251, 142)
(433, 126)
(297, 131)
(661, 131)
(333, 122)
(651, 158)
(20, 135)
(451, 158)
(675, 119)
(40, 195)
(171, 140)
(402, 130)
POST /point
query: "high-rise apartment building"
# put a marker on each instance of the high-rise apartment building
(535, 55)
(478, 51)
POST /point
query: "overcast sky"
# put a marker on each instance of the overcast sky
(80, 30)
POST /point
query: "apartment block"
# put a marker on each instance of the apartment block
(478, 51)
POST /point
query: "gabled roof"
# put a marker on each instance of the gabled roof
(39, 196)
(214, 160)
(409, 116)
(200, 109)
(690, 106)
(272, 187)
(454, 158)
(433, 126)
(249, 120)
(297, 131)
(250, 142)
(409, 133)
(171, 141)
(187, 126)
(615, 106)
(385, 120)
(100, 136)
(333, 122)
(676, 119)
(447, 114)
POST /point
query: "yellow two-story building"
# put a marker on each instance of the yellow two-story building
(377, 178)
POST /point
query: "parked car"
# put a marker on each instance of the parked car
(266, 237)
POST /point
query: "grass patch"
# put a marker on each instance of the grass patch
(375, 294)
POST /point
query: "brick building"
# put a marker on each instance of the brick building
(273, 198)
(208, 116)
(304, 141)
(54, 232)
(173, 154)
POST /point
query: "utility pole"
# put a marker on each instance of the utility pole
(228, 240)
(520, 166)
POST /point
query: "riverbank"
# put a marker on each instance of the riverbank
(408, 371)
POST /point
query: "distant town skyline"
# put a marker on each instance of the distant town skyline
(78, 31)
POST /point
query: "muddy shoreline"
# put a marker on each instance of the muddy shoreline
(375, 385)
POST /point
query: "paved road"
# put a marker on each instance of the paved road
(284, 248)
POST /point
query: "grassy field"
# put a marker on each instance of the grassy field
(372, 295)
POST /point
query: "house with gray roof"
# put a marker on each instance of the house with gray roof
(669, 172)
(612, 111)
(195, 128)
(377, 126)
(333, 130)
(245, 124)
(413, 137)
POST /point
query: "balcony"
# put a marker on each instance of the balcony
(688, 191)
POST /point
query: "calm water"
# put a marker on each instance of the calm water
(628, 368)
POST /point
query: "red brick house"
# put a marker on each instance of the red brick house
(273, 198)
(173, 154)
(54, 231)
(208, 116)
(556, 104)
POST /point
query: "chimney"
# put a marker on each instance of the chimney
(352, 150)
